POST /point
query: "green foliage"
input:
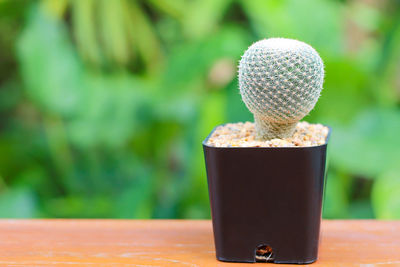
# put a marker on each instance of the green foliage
(104, 104)
(371, 138)
(385, 196)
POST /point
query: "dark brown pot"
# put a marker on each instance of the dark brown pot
(266, 197)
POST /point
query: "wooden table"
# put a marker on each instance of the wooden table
(174, 243)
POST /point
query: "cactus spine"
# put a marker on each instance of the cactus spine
(280, 82)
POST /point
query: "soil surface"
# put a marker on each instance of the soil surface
(243, 135)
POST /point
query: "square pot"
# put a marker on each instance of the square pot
(266, 197)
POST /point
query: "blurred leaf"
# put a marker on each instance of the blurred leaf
(291, 19)
(385, 196)
(83, 18)
(192, 61)
(174, 8)
(49, 65)
(370, 145)
(336, 196)
(388, 67)
(9, 95)
(344, 92)
(17, 203)
(55, 8)
(146, 41)
(361, 210)
(187, 67)
(87, 99)
(73, 206)
(59, 149)
(136, 199)
(113, 32)
(202, 16)
(116, 101)
(195, 203)
(213, 113)
(236, 110)
(365, 15)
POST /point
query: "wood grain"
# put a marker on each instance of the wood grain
(174, 243)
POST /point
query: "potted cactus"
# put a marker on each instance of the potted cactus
(266, 179)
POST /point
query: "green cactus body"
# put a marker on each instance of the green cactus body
(280, 82)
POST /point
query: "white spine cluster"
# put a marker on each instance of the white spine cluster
(280, 82)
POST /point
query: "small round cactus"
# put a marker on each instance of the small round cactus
(280, 82)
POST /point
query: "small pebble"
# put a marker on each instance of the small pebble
(243, 135)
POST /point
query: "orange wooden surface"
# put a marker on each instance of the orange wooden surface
(174, 243)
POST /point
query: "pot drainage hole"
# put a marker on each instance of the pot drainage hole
(264, 254)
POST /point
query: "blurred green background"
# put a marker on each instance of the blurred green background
(104, 104)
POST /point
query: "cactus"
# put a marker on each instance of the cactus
(280, 82)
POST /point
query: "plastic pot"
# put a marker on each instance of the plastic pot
(266, 202)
